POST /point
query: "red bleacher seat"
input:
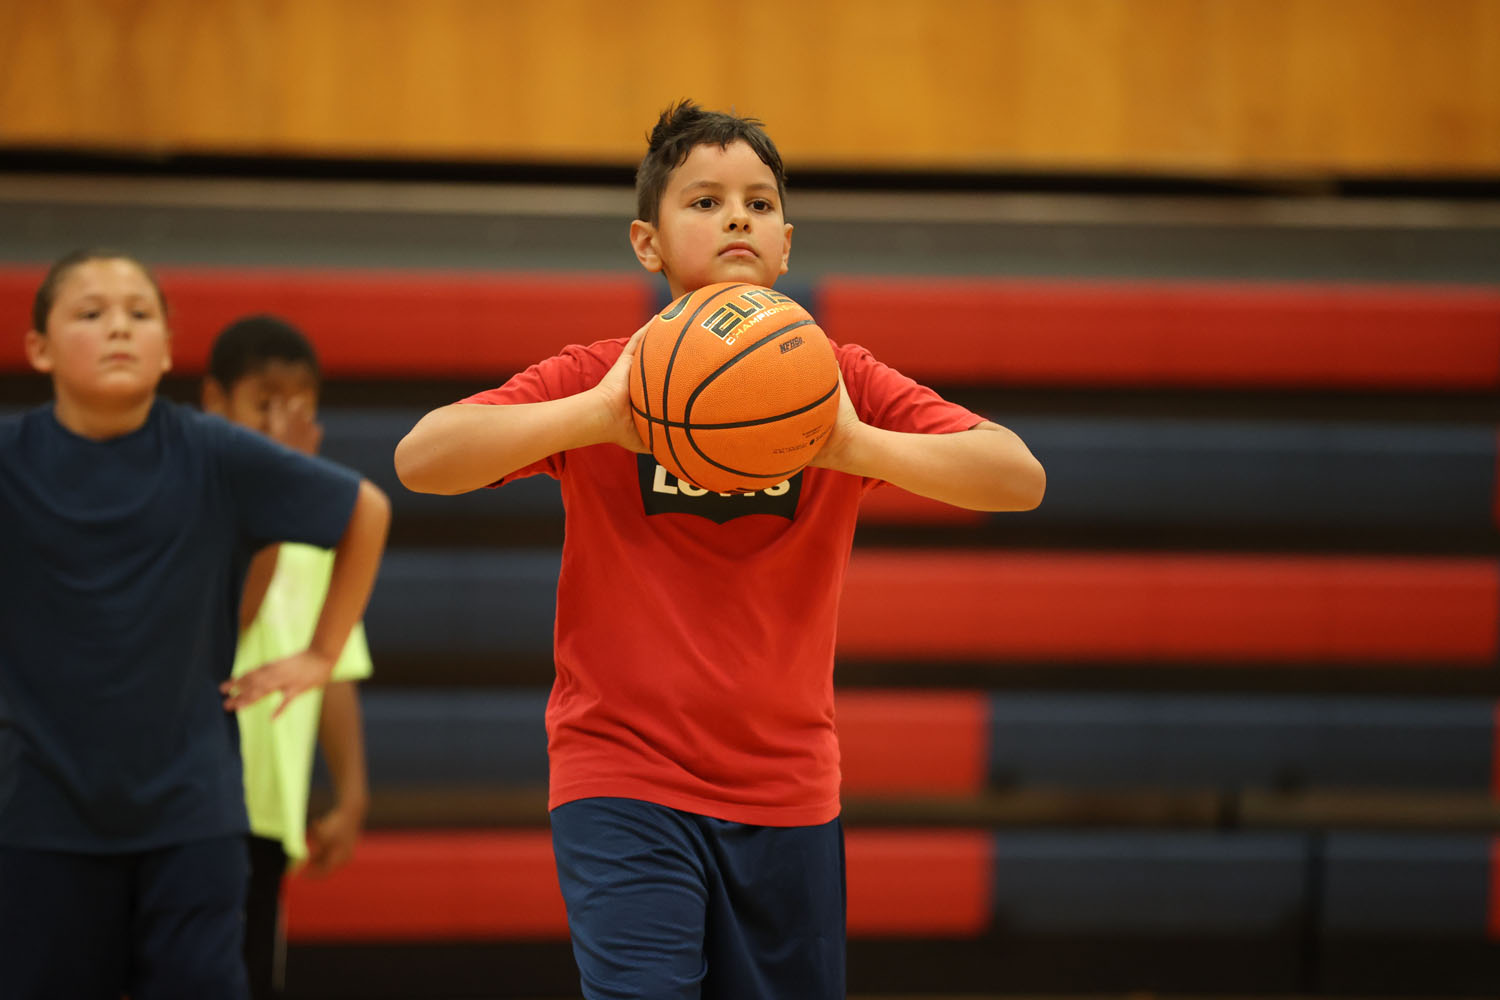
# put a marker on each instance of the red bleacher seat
(936, 605)
(444, 885)
(1142, 334)
(1138, 334)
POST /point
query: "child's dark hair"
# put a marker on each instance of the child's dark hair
(46, 293)
(247, 345)
(685, 126)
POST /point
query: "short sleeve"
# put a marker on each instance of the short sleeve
(567, 373)
(886, 398)
(283, 495)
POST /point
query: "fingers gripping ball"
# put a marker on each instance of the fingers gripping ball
(734, 387)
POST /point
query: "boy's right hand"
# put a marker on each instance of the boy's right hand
(613, 392)
(294, 423)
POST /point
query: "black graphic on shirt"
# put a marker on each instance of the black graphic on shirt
(664, 493)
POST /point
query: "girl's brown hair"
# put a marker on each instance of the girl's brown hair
(46, 294)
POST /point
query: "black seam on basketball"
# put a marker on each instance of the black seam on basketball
(675, 309)
(774, 477)
(687, 432)
(687, 409)
(688, 427)
(684, 425)
(640, 367)
(666, 380)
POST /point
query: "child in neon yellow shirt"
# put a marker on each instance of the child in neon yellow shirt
(263, 374)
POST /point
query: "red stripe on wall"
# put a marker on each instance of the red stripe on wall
(913, 742)
(434, 886)
(443, 886)
(922, 604)
(1057, 333)
(385, 323)
(437, 324)
(920, 884)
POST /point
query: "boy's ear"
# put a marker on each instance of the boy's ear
(643, 241)
(39, 351)
(214, 399)
(786, 247)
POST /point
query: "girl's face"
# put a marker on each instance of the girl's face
(720, 220)
(106, 342)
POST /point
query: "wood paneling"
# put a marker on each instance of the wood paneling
(1184, 85)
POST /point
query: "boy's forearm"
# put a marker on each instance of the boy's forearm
(356, 562)
(341, 738)
(257, 582)
(986, 468)
(467, 446)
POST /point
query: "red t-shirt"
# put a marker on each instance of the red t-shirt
(695, 631)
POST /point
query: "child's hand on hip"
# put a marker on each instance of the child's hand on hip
(290, 675)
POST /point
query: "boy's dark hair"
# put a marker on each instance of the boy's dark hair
(46, 293)
(249, 344)
(685, 126)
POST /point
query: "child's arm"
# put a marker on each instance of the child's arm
(985, 468)
(293, 423)
(332, 836)
(462, 447)
(355, 563)
(257, 582)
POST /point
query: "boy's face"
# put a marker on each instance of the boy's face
(279, 399)
(106, 342)
(720, 220)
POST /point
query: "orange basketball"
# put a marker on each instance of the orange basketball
(734, 387)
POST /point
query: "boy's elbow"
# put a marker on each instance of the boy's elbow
(406, 465)
(1019, 485)
(413, 468)
(1033, 486)
(1018, 480)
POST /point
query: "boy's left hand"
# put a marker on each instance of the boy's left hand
(291, 675)
(294, 423)
(331, 839)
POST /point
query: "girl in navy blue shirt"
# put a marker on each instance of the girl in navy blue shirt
(126, 525)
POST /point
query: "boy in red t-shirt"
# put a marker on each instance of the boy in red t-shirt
(694, 758)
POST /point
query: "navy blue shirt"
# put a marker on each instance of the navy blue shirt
(121, 565)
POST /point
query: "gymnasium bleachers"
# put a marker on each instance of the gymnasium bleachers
(1221, 716)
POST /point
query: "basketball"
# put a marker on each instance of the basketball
(734, 387)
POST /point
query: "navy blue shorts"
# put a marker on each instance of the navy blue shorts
(668, 904)
(166, 924)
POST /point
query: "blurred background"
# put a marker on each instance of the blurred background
(1219, 719)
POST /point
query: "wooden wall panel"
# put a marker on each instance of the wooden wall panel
(1209, 86)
